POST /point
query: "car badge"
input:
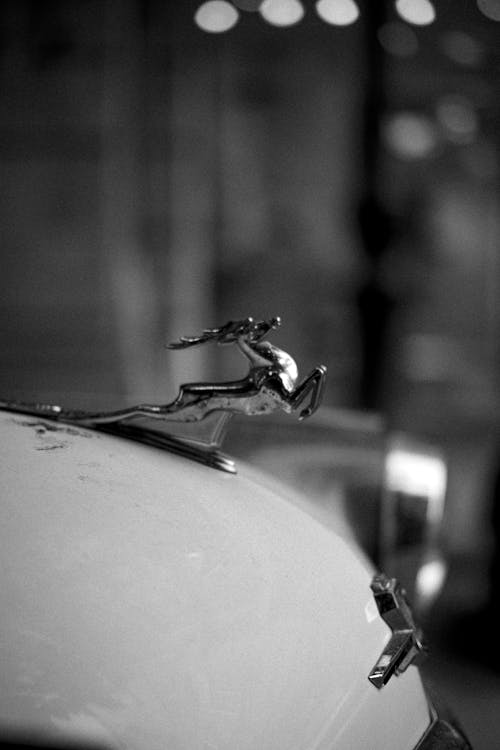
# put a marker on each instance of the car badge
(406, 645)
(271, 384)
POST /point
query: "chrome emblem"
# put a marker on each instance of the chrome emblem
(270, 384)
(406, 645)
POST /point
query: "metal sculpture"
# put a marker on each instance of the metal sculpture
(271, 384)
(406, 645)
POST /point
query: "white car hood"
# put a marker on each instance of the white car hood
(150, 602)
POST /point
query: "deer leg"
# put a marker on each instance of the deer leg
(313, 384)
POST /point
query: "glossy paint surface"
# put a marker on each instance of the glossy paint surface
(149, 602)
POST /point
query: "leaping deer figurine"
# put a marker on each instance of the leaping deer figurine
(271, 383)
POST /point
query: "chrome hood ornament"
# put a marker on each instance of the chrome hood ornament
(406, 645)
(271, 384)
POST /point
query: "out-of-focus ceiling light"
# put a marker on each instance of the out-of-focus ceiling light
(490, 8)
(430, 579)
(398, 39)
(282, 12)
(418, 12)
(418, 474)
(248, 5)
(410, 136)
(216, 16)
(462, 48)
(337, 12)
(458, 117)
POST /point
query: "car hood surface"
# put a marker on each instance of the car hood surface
(150, 602)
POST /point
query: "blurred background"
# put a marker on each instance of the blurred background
(168, 166)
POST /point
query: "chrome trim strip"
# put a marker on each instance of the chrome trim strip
(209, 457)
(203, 454)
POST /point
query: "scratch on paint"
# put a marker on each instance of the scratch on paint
(51, 447)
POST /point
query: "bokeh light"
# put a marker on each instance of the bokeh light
(410, 136)
(490, 8)
(337, 12)
(462, 48)
(418, 12)
(458, 118)
(398, 39)
(282, 12)
(216, 16)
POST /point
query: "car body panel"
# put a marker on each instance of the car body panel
(151, 602)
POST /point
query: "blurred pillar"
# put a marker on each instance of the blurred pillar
(130, 281)
(159, 142)
(194, 131)
(375, 305)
